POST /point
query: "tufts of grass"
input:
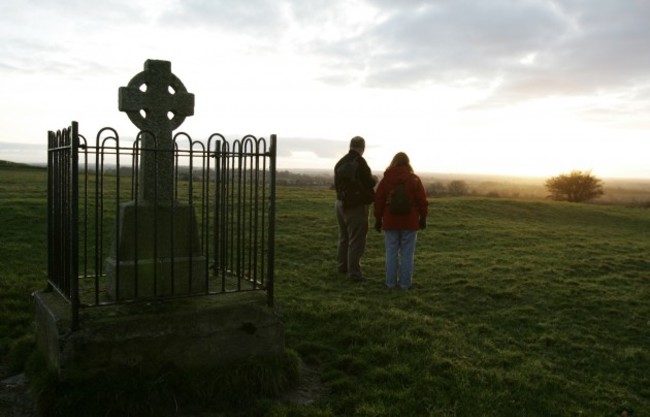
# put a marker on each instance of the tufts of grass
(167, 391)
(532, 308)
(519, 308)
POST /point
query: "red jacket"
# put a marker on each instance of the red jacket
(417, 197)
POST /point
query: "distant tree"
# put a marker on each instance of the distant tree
(457, 188)
(575, 187)
(436, 189)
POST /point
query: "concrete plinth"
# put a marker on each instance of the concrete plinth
(197, 332)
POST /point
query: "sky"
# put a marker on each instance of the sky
(499, 87)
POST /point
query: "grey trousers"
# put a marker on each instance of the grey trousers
(353, 230)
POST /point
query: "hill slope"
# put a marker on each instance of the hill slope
(519, 308)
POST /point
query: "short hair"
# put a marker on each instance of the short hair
(357, 142)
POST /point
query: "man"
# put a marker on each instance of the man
(354, 185)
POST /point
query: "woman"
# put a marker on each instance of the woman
(400, 230)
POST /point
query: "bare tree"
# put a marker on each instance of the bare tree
(575, 187)
(457, 188)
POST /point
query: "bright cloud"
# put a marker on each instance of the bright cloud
(524, 87)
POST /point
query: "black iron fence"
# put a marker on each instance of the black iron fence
(107, 244)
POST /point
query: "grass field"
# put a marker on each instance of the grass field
(519, 308)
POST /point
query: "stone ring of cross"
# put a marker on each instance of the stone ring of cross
(155, 98)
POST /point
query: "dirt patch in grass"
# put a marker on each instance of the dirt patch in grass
(309, 388)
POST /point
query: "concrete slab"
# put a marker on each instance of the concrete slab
(190, 332)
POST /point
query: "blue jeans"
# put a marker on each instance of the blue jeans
(400, 250)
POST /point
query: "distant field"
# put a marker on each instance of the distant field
(520, 308)
(617, 191)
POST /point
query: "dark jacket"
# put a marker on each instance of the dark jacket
(417, 198)
(353, 180)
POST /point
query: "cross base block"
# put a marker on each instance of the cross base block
(156, 252)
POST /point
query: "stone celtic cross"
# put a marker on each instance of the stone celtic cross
(157, 102)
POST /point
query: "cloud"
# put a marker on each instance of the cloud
(423, 42)
(526, 71)
(532, 47)
(250, 18)
(322, 148)
(23, 152)
(86, 13)
(61, 37)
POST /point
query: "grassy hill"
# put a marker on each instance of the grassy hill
(519, 308)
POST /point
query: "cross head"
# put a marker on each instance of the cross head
(157, 102)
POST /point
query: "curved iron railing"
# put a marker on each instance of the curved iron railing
(227, 194)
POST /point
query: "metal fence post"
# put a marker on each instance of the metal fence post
(74, 224)
(271, 260)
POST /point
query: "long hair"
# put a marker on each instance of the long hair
(400, 159)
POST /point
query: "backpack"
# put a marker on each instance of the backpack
(347, 171)
(349, 185)
(398, 201)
